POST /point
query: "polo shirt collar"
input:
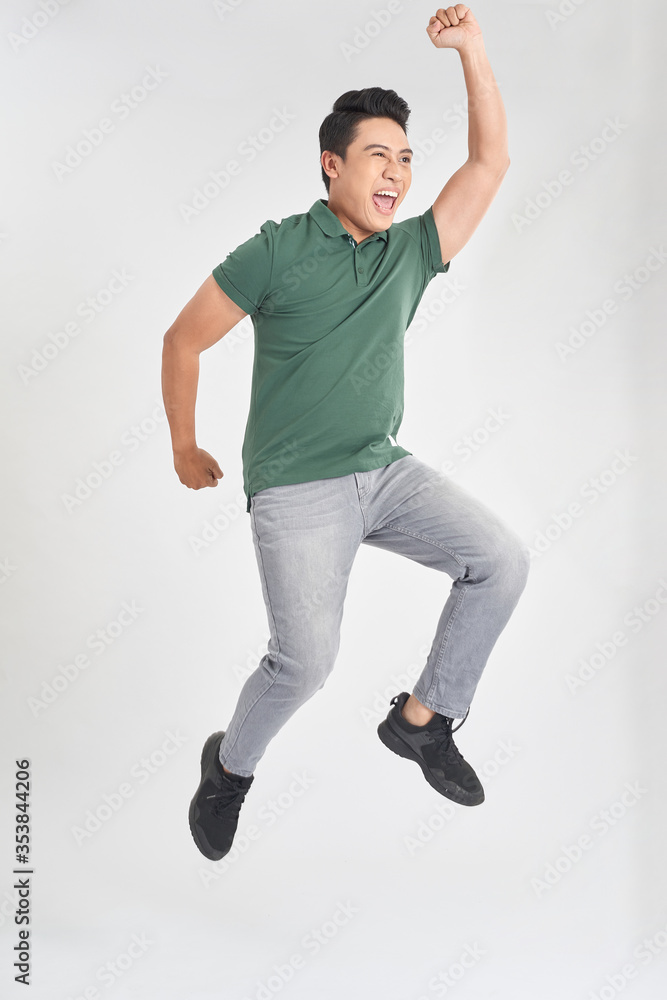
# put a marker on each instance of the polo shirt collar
(330, 224)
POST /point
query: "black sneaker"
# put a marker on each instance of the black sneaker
(433, 748)
(214, 810)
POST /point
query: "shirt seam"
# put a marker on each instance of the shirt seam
(442, 264)
(418, 245)
(220, 271)
(270, 284)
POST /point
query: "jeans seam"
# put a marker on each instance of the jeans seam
(443, 644)
(361, 494)
(275, 632)
(266, 585)
(423, 538)
(240, 725)
(457, 606)
(453, 713)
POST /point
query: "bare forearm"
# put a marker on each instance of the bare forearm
(180, 377)
(487, 122)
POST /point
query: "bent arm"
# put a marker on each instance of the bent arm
(203, 321)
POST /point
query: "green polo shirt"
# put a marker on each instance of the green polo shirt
(329, 318)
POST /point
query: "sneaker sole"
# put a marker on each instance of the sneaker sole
(193, 814)
(451, 791)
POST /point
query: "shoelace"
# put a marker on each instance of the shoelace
(226, 797)
(441, 735)
(462, 720)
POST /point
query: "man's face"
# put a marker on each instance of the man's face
(378, 160)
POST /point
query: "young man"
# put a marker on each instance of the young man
(331, 293)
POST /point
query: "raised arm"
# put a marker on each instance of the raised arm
(465, 198)
(203, 321)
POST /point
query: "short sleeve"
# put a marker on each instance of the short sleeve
(423, 232)
(245, 273)
(431, 244)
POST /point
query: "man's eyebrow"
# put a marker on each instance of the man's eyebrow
(380, 146)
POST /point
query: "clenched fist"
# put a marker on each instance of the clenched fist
(197, 469)
(453, 27)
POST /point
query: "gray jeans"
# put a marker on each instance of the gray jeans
(306, 536)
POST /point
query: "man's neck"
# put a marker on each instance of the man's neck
(359, 234)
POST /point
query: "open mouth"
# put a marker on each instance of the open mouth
(384, 203)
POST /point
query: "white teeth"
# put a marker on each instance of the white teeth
(394, 194)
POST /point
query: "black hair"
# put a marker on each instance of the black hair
(340, 128)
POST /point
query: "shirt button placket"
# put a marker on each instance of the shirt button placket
(361, 278)
(358, 270)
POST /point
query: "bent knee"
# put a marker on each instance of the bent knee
(515, 563)
(506, 562)
(307, 665)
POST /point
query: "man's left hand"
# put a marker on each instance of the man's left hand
(453, 27)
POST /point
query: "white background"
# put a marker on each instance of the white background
(533, 894)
